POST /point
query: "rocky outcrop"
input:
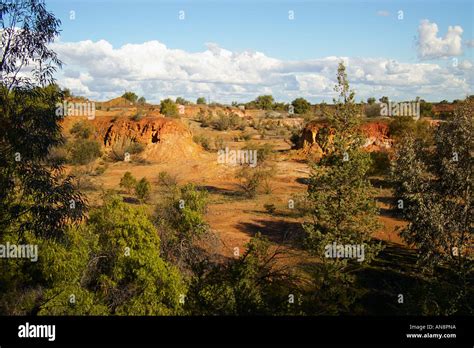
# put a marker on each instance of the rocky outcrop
(149, 130)
(164, 139)
(317, 136)
(376, 136)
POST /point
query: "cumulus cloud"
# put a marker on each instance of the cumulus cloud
(469, 43)
(100, 71)
(430, 46)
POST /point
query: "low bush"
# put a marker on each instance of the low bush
(203, 141)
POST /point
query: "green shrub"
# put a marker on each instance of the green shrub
(203, 141)
(100, 170)
(168, 108)
(231, 121)
(264, 102)
(57, 155)
(182, 101)
(83, 151)
(254, 179)
(82, 130)
(380, 164)
(128, 182)
(372, 110)
(264, 152)
(403, 126)
(301, 106)
(166, 180)
(222, 122)
(130, 96)
(206, 120)
(143, 189)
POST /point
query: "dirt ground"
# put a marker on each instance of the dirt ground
(232, 216)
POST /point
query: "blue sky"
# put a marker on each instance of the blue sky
(320, 29)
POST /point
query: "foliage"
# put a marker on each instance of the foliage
(342, 207)
(264, 102)
(435, 188)
(371, 100)
(426, 109)
(264, 152)
(128, 182)
(182, 101)
(168, 108)
(205, 119)
(301, 106)
(231, 121)
(180, 221)
(372, 110)
(130, 96)
(84, 151)
(405, 126)
(253, 284)
(380, 163)
(201, 101)
(28, 28)
(82, 130)
(125, 146)
(203, 141)
(254, 179)
(35, 195)
(166, 180)
(37, 201)
(143, 189)
(119, 271)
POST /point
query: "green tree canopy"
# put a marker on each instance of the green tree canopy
(264, 102)
(143, 189)
(433, 187)
(301, 105)
(123, 273)
(342, 206)
(168, 108)
(128, 181)
(182, 101)
(130, 96)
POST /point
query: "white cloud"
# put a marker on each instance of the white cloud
(465, 65)
(383, 13)
(100, 71)
(469, 43)
(430, 46)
